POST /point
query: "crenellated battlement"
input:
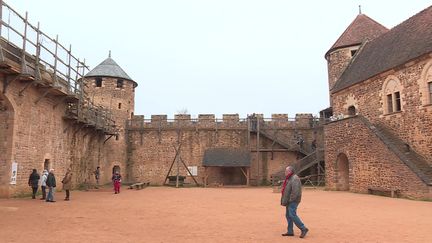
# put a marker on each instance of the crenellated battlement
(228, 121)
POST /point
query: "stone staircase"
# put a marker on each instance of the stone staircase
(417, 163)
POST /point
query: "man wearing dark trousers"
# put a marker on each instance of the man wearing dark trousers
(51, 184)
(291, 197)
(33, 182)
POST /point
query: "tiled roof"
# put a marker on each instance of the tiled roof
(405, 42)
(108, 68)
(227, 157)
(362, 28)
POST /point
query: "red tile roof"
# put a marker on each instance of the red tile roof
(362, 28)
(405, 42)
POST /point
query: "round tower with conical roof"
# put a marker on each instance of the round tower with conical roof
(109, 86)
(345, 48)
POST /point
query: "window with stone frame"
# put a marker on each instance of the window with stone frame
(430, 92)
(392, 95)
(98, 82)
(426, 84)
(397, 102)
(120, 83)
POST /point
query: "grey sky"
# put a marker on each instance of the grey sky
(219, 56)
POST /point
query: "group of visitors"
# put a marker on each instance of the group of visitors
(48, 180)
(291, 192)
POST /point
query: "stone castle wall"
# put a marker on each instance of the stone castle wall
(371, 163)
(121, 103)
(337, 61)
(412, 124)
(151, 145)
(33, 132)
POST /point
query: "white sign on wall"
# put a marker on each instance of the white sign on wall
(193, 170)
(14, 173)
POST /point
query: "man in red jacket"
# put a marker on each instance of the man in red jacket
(291, 197)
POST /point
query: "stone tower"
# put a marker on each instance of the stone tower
(109, 86)
(344, 49)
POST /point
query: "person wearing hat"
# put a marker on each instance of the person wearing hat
(51, 184)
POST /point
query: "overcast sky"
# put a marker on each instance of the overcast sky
(218, 56)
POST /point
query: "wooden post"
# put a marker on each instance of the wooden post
(38, 50)
(258, 149)
(178, 171)
(1, 15)
(69, 68)
(23, 60)
(248, 132)
(248, 176)
(55, 57)
(205, 176)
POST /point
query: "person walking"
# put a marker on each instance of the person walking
(97, 176)
(51, 184)
(116, 178)
(67, 183)
(33, 182)
(43, 184)
(291, 197)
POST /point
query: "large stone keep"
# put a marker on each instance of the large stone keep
(380, 138)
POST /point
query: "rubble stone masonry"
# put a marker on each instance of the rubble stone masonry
(31, 133)
(413, 123)
(371, 163)
(151, 145)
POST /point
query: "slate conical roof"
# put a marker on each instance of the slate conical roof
(108, 68)
(361, 29)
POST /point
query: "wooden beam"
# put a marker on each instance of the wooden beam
(174, 160)
(248, 176)
(43, 95)
(184, 164)
(205, 176)
(271, 150)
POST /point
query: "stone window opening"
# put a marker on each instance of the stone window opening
(117, 137)
(352, 111)
(353, 52)
(394, 102)
(98, 82)
(425, 83)
(119, 105)
(392, 99)
(120, 83)
(390, 103)
(47, 165)
(430, 92)
(397, 100)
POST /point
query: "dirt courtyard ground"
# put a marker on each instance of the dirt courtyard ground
(161, 214)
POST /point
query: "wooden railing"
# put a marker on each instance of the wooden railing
(38, 51)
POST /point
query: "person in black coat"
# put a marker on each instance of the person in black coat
(51, 184)
(33, 182)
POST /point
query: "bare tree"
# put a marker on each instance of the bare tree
(183, 111)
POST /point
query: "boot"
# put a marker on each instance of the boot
(304, 232)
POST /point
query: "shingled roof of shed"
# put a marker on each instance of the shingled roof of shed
(227, 157)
